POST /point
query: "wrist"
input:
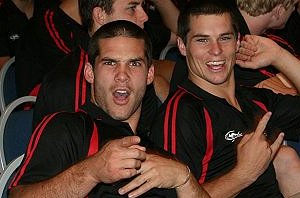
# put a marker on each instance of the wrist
(185, 179)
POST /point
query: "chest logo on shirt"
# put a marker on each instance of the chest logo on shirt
(232, 135)
(14, 37)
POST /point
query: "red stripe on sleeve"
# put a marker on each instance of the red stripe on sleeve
(166, 120)
(174, 115)
(31, 147)
(53, 32)
(94, 145)
(78, 74)
(209, 146)
(261, 105)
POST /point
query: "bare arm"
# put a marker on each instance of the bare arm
(161, 172)
(253, 157)
(118, 159)
(256, 52)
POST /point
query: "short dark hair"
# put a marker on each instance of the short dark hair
(86, 10)
(202, 7)
(119, 28)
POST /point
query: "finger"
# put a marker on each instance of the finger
(127, 173)
(245, 139)
(131, 163)
(248, 46)
(246, 51)
(141, 148)
(136, 182)
(129, 141)
(276, 145)
(262, 125)
(133, 153)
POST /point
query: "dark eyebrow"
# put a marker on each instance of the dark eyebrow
(207, 36)
(133, 3)
(108, 59)
(136, 59)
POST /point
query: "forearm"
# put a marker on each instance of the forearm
(192, 189)
(73, 182)
(289, 65)
(168, 12)
(235, 183)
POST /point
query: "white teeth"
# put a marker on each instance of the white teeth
(121, 91)
(215, 63)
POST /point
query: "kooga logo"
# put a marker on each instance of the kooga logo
(232, 135)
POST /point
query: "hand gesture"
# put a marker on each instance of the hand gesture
(256, 52)
(254, 153)
(118, 159)
(156, 172)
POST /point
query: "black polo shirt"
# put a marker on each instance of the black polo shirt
(203, 130)
(47, 39)
(64, 139)
(12, 23)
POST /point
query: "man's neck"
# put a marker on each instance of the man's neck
(225, 90)
(71, 9)
(258, 24)
(25, 6)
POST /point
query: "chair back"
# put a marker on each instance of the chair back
(15, 129)
(8, 175)
(8, 91)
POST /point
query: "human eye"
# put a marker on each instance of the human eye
(132, 8)
(202, 40)
(226, 38)
(109, 62)
(135, 63)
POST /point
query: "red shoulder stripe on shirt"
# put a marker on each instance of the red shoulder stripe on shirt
(94, 144)
(48, 17)
(261, 105)
(209, 146)
(174, 115)
(166, 119)
(32, 146)
(80, 78)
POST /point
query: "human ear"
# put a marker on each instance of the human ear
(181, 46)
(99, 16)
(89, 73)
(150, 75)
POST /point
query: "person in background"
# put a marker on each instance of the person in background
(14, 15)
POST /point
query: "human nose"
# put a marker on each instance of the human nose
(142, 16)
(122, 74)
(215, 48)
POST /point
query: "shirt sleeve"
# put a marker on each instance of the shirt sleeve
(183, 136)
(285, 114)
(53, 148)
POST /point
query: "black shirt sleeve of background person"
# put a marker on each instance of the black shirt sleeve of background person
(64, 88)
(50, 37)
(12, 23)
(28, 70)
(285, 112)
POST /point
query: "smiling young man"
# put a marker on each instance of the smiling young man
(206, 117)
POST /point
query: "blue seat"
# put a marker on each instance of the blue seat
(8, 174)
(8, 91)
(15, 130)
